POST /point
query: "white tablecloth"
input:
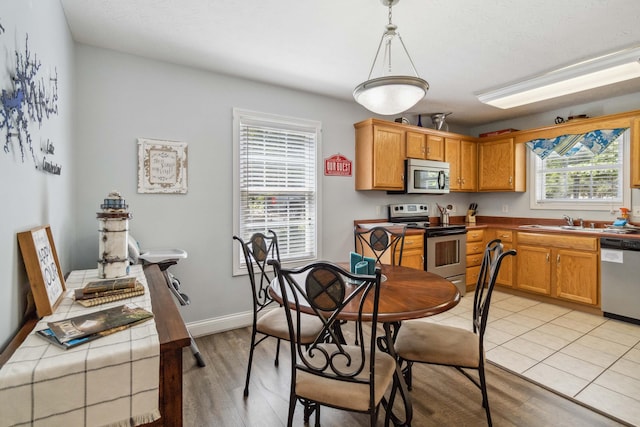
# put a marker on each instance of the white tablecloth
(112, 381)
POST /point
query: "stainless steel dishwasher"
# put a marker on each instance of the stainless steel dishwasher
(619, 285)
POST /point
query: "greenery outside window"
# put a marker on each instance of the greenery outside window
(276, 183)
(582, 180)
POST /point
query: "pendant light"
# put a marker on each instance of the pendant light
(390, 94)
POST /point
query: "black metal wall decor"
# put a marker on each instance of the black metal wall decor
(32, 98)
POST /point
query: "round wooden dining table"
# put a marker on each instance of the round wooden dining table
(405, 293)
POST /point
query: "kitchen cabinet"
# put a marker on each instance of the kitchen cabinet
(475, 250)
(565, 267)
(424, 146)
(462, 156)
(506, 273)
(413, 251)
(380, 154)
(501, 165)
(635, 153)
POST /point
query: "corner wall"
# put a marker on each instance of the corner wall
(31, 198)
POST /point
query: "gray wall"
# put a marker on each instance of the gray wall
(119, 98)
(32, 198)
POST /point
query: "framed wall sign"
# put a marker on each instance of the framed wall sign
(43, 268)
(162, 166)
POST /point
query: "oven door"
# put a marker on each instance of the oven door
(446, 255)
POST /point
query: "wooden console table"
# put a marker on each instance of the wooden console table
(173, 337)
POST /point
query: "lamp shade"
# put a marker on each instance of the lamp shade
(390, 94)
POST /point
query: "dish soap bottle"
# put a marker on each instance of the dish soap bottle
(624, 213)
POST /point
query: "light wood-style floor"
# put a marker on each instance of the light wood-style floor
(213, 395)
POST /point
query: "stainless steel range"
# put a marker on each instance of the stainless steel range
(444, 245)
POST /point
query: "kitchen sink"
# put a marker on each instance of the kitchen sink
(563, 227)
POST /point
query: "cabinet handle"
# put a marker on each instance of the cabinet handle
(510, 180)
(558, 259)
(428, 150)
(547, 258)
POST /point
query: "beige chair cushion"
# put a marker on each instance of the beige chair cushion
(344, 394)
(274, 323)
(420, 341)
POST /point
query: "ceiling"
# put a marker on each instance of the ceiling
(461, 47)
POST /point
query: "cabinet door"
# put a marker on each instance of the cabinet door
(435, 147)
(505, 275)
(635, 154)
(534, 269)
(452, 156)
(496, 165)
(576, 276)
(388, 158)
(413, 252)
(416, 145)
(468, 165)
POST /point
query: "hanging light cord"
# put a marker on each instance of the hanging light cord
(388, 35)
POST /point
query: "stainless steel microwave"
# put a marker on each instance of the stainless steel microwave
(427, 177)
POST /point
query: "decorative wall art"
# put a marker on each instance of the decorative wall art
(43, 268)
(31, 98)
(162, 166)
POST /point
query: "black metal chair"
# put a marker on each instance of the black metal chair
(424, 342)
(379, 241)
(332, 371)
(268, 320)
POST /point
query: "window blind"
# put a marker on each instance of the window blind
(277, 184)
(582, 176)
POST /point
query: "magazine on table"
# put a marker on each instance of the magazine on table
(80, 329)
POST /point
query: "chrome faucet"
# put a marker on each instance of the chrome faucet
(568, 219)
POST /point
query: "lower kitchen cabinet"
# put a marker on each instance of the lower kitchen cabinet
(413, 251)
(475, 250)
(564, 267)
(506, 273)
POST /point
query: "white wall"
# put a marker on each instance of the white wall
(122, 98)
(32, 198)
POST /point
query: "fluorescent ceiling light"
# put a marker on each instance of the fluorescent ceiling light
(604, 70)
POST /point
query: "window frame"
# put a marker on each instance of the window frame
(534, 161)
(282, 122)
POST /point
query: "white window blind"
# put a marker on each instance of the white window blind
(582, 178)
(277, 181)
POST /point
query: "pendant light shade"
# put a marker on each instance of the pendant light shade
(390, 94)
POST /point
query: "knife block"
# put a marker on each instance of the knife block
(471, 219)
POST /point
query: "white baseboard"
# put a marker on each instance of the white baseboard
(220, 324)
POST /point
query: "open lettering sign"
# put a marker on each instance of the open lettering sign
(43, 268)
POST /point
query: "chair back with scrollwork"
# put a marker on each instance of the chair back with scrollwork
(379, 241)
(492, 259)
(325, 290)
(257, 251)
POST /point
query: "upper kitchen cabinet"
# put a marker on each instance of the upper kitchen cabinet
(635, 153)
(501, 165)
(424, 146)
(380, 154)
(462, 156)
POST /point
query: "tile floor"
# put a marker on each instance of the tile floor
(591, 359)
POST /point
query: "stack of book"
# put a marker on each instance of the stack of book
(103, 291)
(88, 327)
